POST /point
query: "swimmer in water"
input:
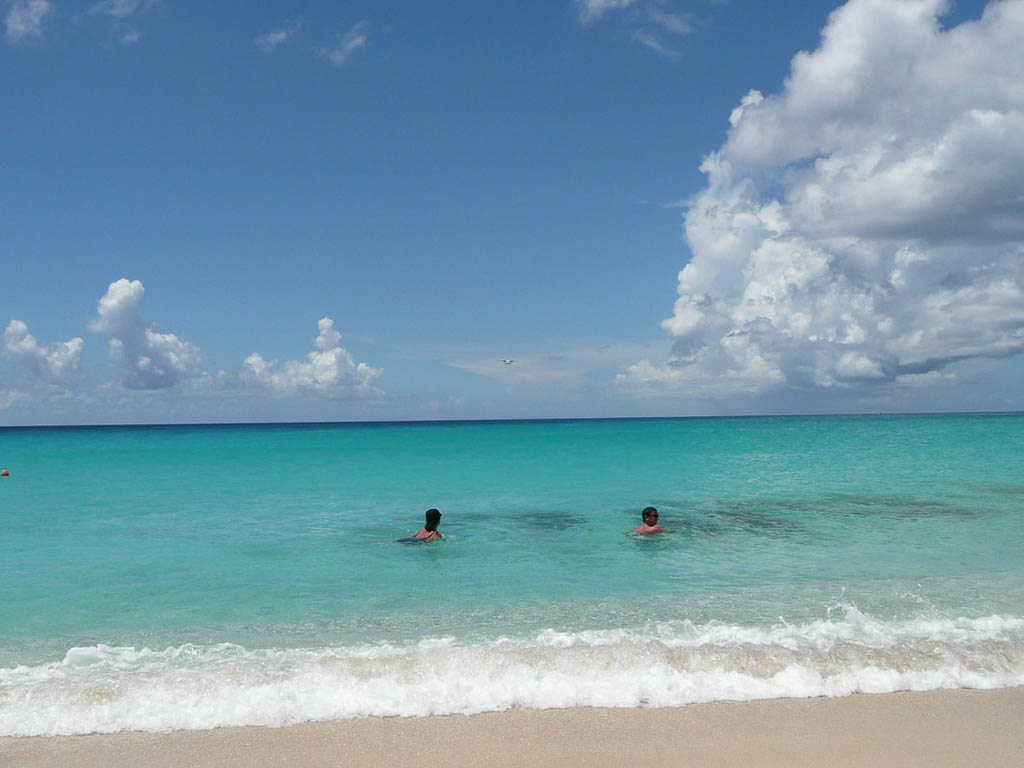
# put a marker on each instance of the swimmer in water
(429, 530)
(650, 525)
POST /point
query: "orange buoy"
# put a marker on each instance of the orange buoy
(4, 473)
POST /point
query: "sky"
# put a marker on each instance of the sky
(334, 211)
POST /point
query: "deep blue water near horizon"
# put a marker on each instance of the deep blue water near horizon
(196, 576)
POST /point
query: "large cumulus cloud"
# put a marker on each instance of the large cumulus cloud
(150, 360)
(865, 225)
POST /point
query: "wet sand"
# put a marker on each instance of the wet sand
(936, 728)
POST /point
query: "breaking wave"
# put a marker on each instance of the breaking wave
(103, 689)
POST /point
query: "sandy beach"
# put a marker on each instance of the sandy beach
(937, 728)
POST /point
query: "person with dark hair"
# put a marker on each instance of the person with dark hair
(429, 530)
(650, 524)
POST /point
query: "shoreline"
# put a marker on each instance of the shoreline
(931, 728)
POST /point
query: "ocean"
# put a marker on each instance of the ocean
(188, 577)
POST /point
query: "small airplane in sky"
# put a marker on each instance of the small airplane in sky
(506, 362)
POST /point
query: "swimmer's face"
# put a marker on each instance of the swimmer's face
(651, 518)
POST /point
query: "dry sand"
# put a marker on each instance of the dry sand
(939, 728)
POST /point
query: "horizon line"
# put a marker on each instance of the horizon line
(524, 420)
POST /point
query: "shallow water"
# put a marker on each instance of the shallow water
(252, 571)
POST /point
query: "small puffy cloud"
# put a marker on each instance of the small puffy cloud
(653, 42)
(650, 23)
(348, 44)
(57, 363)
(591, 10)
(270, 41)
(121, 9)
(672, 23)
(328, 370)
(864, 226)
(151, 360)
(121, 12)
(25, 19)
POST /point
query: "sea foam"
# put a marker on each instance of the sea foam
(104, 689)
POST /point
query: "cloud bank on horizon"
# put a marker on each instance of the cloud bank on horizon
(866, 224)
(154, 361)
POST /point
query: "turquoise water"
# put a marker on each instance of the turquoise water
(252, 571)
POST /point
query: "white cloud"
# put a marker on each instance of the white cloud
(591, 10)
(650, 24)
(348, 44)
(25, 19)
(151, 360)
(925, 379)
(9, 397)
(269, 41)
(865, 225)
(645, 379)
(121, 9)
(672, 23)
(651, 41)
(328, 370)
(57, 363)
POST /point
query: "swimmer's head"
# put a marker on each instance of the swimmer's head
(650, 516)
(433, 520)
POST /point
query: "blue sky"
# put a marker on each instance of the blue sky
(188, 185)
